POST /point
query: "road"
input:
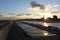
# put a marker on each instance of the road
(16, 30)
(4, 28)
(9, 30)
(37, 33)
(51, 29)
(33, 31)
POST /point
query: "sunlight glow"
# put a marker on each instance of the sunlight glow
(46, 15)
(34, 8)
(46, 34)
(45, 24)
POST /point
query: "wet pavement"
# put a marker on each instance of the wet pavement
(13, 31)
(16, 33)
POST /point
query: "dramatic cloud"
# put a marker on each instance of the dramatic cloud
(45, 8)
(34, 5)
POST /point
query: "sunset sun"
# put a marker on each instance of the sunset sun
(46, 15)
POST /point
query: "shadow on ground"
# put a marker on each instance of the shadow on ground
(16, 33)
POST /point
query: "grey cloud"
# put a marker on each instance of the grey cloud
(33, 5)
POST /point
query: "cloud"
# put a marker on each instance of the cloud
(35, 8)
(35, 5)
(55, 5)
(40, 7)
(46, 8)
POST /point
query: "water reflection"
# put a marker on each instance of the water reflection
(36, 32)
(45, 24)
(51, 24)
(45, 34)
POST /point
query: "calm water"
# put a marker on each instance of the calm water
(45, 24)
(50, 24)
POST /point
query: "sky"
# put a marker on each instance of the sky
(22, 6)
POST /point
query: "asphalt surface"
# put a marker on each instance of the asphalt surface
(51, 29)
(17, 33)
(4, 28)
(9, 30)
(57, 37)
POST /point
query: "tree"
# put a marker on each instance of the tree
(55, 18)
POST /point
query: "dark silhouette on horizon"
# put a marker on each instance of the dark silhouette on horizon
(49, 19)
(55, 18)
